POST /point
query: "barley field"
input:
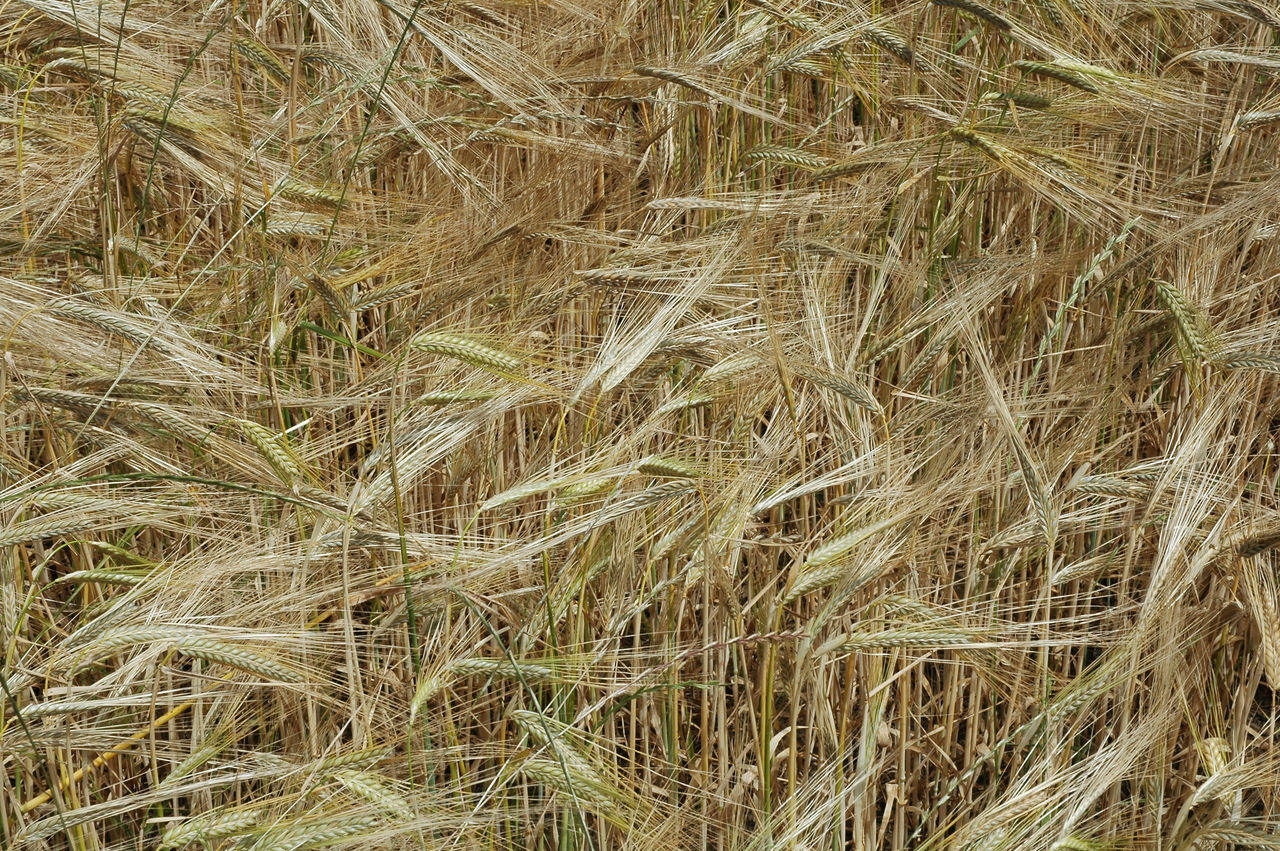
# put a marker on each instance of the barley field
(753, 425)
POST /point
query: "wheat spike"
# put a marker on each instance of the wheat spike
(429, 685)
(684, 402)
(373, 789)
(67, 399)
(1024, 100)
(1249, 360)
(1113, 486)
(892, 42)
(844, 387)
(112, 323)
(270, 447)
(1235, 833)
(105, 577)
(35, 530)
(314, 833)
(449, 397)
(657, 493)
(569, 769)
(671, 468)
(839, 546)
(586, 488)
(1186, 317)
(985, 144)
(334, 300)
(289, 187)
(465, 349)
(262, 58)
(1262, 595)
(785, 155)
(570, 780)
(529, 671)
(1258, 118)
(356, 760)
(918, 638)
(129, 636)
(731, 366)
(210, 827)
(523, 490)
(227, 654)
(386, 294)
(171, 420)
(1058, 72)
(976, 9)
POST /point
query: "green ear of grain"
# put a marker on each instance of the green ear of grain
(840, 545)
(979, 11)
(533, 672)
(892, 42)
(262, 58)
(1024, 100)
(684, 402)
(35, 530)
(1057, 72)
(113, 323)
(316, 195)
(784, 155)
(106, 576)
(732, 366)
(1259, 543)
(671, 468)
(585, 488)
(430, 684)
(572, 781)
(1256, 119)
(1192, 328)
(1248, 360)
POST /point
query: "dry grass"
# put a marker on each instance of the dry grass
(588, 425)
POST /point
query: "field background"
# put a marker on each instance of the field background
(740, 424)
